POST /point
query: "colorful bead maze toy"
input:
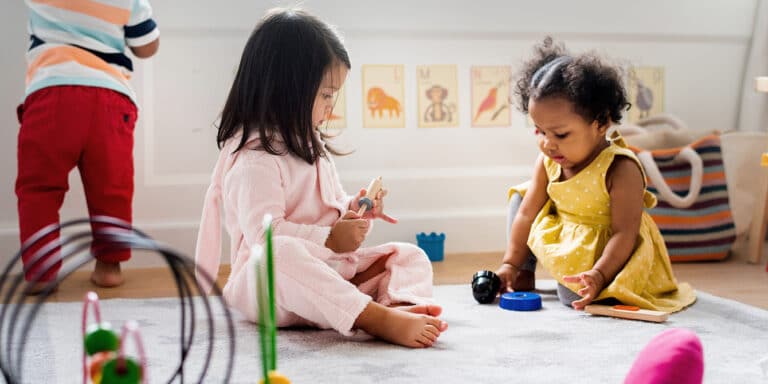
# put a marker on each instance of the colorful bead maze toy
(72, 251)
(106, 351)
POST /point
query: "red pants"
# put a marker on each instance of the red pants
(64, 127)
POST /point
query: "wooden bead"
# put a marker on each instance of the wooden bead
(97, 363)
(121, 371)
(100, 338)
(276, 377)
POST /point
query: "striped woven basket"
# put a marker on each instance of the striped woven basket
(693, 212)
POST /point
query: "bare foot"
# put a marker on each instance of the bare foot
(107, 275)
(423, 309)
(403, 327)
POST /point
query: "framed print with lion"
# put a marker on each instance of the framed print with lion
(438, 93)
(384, 95)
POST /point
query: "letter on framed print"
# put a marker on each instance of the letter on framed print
(384, 95)
(490, 96)
(438, 96)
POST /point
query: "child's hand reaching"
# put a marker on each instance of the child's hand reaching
(508, 274)
(592, 281)
(378, 206)
(347, 233)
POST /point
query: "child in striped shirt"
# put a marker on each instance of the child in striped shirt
(79, 111)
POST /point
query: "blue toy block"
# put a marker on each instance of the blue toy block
(432, 244)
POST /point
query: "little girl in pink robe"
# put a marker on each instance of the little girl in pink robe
(275, 161)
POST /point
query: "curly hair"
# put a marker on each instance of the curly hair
(595, 88)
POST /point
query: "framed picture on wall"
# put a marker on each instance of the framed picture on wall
(490, 96)
(438, 93)
(384, 95)
(337, 118)
(645, 88)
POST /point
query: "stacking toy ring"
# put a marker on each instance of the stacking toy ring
(520, 301)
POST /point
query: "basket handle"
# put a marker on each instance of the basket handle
(671, 121)
(654, 174)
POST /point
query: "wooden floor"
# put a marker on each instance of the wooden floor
(733, 279)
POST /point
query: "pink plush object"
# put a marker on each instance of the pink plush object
(673, 356)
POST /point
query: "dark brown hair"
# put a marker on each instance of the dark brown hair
(274, 90)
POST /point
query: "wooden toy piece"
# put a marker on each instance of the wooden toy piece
(627, 312)
(101, 338)
(121, 370)
(276, 377)
(97, 363)
(366, 202)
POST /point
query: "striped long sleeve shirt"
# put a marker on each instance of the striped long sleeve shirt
(83, 42)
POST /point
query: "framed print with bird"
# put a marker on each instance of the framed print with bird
(490, 96)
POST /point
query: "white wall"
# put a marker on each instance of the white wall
(442, 179)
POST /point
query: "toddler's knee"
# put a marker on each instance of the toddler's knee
(566, 296)
(410, 249)
(413, 255)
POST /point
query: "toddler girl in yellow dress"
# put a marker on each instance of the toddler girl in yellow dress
(582, 215)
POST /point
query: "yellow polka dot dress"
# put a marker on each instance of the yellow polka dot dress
(570, 232)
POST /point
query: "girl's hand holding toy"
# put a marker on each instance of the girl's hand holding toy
(347, 234)
(369, 203)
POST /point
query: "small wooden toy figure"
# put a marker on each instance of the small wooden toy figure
(108, 364)
(366, 202)
(265, 295)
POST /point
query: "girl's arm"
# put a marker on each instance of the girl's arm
(517, 249)
(626, 187)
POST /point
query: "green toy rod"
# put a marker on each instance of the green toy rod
(265, 294)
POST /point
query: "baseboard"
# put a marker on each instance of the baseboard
(466, 232)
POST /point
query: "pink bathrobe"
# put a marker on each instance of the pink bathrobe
(311, 281)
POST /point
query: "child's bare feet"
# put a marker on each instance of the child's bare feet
(107, 275)
(401, 326)
(423, 309)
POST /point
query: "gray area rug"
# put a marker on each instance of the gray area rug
(483, 344)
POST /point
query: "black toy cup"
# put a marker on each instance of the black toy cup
(485, 286)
